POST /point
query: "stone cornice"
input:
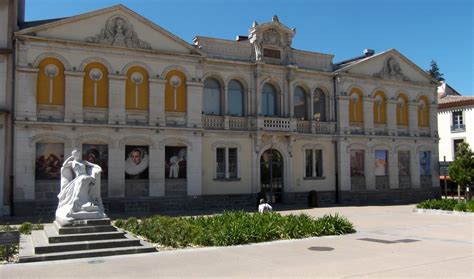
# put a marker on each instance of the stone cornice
(380, 81)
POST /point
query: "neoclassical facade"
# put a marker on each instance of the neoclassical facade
(216, 123)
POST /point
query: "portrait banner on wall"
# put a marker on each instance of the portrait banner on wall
(136, 162)
(49, 160)
(175, 161)
(425, 163)
(403, 163)
(357, 162)
(381, 162)
(97, 154)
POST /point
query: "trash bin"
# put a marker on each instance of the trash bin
(313, 199)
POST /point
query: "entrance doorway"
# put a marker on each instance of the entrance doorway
(271, 175)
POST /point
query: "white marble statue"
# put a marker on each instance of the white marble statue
(79, 197)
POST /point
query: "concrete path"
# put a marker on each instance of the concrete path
(398, 244)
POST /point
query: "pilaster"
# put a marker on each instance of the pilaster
(194, 104)
(157, 102)
(25, 92)
(391, 118)
(117, 99)
(368, 115)
(73, 111)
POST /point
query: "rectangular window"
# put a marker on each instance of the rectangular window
(403, 163)
(313, 163)
(381, 162)
(226, 163)
(357, 162)
(271, 53)
(220, 162)
(456, 144)
(458, 121)
(232, 162)
(425, 163)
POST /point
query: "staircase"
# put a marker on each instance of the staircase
(81, 239)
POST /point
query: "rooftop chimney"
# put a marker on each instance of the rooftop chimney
(368, 52)
(240, 38)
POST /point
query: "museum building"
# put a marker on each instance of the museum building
(217, 123)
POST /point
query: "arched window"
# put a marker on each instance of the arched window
(423, 112)
(50, 82)
(212, 97)
(175, 92)
(95, 86)
(319, 105)
(380, 108)
(269, 100)
(137, 89)
(299, 103)
(235, 99)
(355, 106)
(402, 109)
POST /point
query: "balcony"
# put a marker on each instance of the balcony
(213, 122)
(458, 128)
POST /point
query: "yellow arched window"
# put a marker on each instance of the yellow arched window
(355, 106)
(402, 109)
(50, 84)
(380, 108)
(137, 89)
(96, 86)
(423, 112)
(175, 91)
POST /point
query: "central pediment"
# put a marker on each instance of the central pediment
(116, 26)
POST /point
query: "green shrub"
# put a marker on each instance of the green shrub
(461, 206)
(438, 204)
(27, 227)
(10, 249)
(470, 206)
(233, 228)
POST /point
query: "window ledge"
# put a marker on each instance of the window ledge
(227, 179)
(314, 178)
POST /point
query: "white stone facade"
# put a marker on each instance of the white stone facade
(265, 58)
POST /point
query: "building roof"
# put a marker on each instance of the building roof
(452, 101)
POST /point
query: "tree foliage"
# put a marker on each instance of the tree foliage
(434, 71)
(461, 170)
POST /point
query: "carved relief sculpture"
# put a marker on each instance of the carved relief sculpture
(392, 70)
(118, 32)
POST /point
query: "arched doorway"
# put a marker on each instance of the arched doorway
(271, 175)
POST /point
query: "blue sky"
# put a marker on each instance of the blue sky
(420, 29)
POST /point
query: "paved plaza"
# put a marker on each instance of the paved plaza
(391, 242)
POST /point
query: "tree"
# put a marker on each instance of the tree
(434, 71)
(461, 170)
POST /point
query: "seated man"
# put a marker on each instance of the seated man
(264, 207)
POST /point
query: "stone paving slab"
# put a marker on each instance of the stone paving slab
(439, 246)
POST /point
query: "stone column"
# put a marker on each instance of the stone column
(116, 171)
(369, 169)
(415, 168)
(343, 113)
(393, 169)
(392, 117)
(310, 107)
(413, 118)
(368, 115)
(194, 166)
(344, 166)
(433, 118)
(24, 165)
(3, 181)
(194, 104)
(73, 97)
(157, 102)
(117, 99)
(157, 172)
(226, 101)
(25, 92)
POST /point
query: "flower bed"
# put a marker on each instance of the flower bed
(447, 204)
(233, 228)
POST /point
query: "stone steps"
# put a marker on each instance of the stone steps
(81, 239)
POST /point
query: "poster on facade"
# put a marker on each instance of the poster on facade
(425, 163)
(175, 161)
(136, 162)
(357, 162)
(403, 163)
(49, 160)
(381, 163)
(97, 154)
